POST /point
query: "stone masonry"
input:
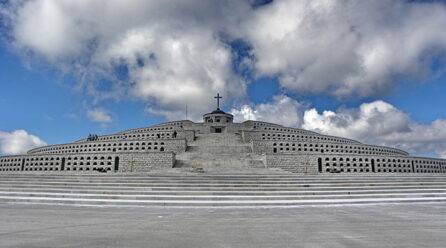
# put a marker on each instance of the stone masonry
(217, 144)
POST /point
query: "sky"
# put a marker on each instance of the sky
(373, 71)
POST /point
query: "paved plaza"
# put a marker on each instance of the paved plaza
(414, 225)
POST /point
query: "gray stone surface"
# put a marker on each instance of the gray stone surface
(217, 145)
(143, 162)
(405, 226)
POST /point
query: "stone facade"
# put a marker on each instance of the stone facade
(253, 142)
(132, 145)
(339, 163)
(144, 162)
(294, 163)
(88, 162)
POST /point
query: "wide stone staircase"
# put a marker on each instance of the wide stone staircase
(230, 190)
(219, 152)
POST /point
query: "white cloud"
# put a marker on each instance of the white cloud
(346, 47)
(376, 122)
(173, 53)
(375, 119)
(18, 142)
(380, 123)
(171, 49)
(99, 115)
(175, 56)
(282, 110)
(443, 154)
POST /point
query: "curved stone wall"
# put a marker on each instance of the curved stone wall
(11, 163)
(168, 126)
(331, 148)
(284, 136)
(180, 134)
(337, 163)
(101, 162)
(309, 152)
(173, 145)
(291, 149)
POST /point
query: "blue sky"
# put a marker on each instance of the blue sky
(56, 111)
(44, 102)
(69, 81)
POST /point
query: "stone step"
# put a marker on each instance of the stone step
(213, 150)
(217, 139)
(221, 189)
(186, 197)
(210, 180)
(197, 178)
(225, 184)
(213, 203)
(216, 181)
(207, 163)
(225, 176)
(222, 192)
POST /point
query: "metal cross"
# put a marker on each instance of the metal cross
(218, 97)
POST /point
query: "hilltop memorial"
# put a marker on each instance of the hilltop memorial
(219, 145)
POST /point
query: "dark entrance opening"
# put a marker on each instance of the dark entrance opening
(373, 165)
(116, 164)
(23, 164)
(218, 130)
(275, 150)
(413, 167)
(319, 165)
(62, 167)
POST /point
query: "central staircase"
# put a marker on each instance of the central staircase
(230, 176)
(219, 152)
(222, 191)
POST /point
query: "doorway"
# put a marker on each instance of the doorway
(116, 164)
(217, 129)
(62, 167)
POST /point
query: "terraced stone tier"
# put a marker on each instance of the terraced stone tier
(275, 190)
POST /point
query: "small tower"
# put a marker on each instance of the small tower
(218, 119)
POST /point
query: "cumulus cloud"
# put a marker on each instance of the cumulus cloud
(443, 154)
(18, 142)
(380, 123)
(172, 53)
(375, 119)
(99, 115)
(346, 47)
(166, 53)
(282, 110)
(376, 122)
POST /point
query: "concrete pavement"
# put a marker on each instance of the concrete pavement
(400, 225)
